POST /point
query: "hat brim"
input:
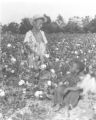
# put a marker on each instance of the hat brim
(31, 20)
(39, 19)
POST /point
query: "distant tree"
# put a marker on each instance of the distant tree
(4, 28)
(86, 21)
(13, 27)
(47, 18)
(60, 21)
(72, 27)
(25, 26)
(51, 27)
(91, 27)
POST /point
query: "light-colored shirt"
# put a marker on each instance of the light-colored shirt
(88, 84)
(38, 47)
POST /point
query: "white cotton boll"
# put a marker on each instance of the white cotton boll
(28, 84)
(47, 55)
(6, 66)
(37, 94)
(93, 46)
(76, 52)
(89, 51)
(56, 48)
(43, 66)
(52, 70)
(13, 59)
(22, 63)
(2, 93)
(85, 59)
(49, 83)
(1, 116)
(12, 71)
(57, 59)
(9, 45)
(21, 82)
(81, 51)
(24, 91)
(68, 72)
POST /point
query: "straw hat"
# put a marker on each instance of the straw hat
(36, 17)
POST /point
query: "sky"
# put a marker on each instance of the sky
(15, 10)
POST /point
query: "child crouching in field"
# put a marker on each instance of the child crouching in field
(69, 95)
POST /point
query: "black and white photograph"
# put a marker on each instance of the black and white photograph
(47, 59)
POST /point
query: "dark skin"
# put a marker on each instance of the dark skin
(72, 98)
(37, 25)
(61, 91)
(77, 67)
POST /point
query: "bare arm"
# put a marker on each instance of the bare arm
(71, 89)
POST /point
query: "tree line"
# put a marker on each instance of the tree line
(74, 25)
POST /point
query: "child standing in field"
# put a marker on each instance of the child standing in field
(36, 40)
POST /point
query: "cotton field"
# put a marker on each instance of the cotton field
(21, 87)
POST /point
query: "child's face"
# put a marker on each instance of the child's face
(81, 76)
(39, 23)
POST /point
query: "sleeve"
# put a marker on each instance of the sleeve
(44, 37)
(27, 37)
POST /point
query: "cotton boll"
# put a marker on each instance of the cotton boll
(43, 66)
(52, 70)
(49, 83)
(47, 55)
(9, 45)
(2, 93)
(12, 71)
(6, 66)
(76, 52)
(24, 91)
(1, 116)
(57, 59)
(38, 94)
(21, 82)
(28, 84)
(68, 72)
(13, 60)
